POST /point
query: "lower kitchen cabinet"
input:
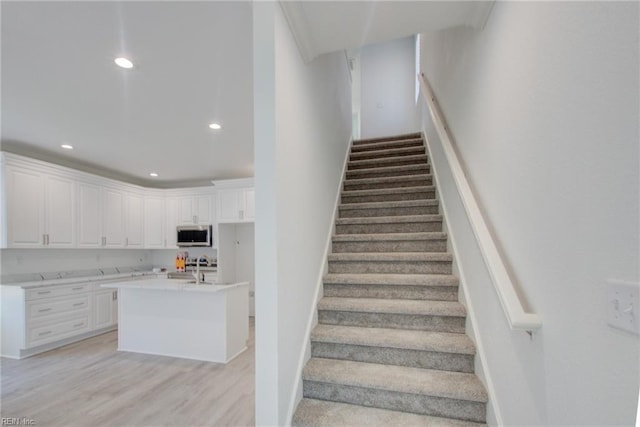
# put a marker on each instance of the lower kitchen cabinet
(105, 309)
(39, 319)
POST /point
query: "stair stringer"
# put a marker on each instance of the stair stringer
(312, 321)
(494, 417)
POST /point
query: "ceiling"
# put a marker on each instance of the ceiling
(327, 26)
(193, 66)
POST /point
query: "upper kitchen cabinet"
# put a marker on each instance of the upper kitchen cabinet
(236, 200)
(197, 209)
(134, 221)
(188, 206)
(39, 206)
(154, 222)
(109, 217)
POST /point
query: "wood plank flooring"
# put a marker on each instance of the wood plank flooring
(89, 383)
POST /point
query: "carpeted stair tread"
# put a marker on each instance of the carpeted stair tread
(375, 146)
(430, 235)
(442, 342)
(389, 219)
(351, 174)
(317, 413)
(380, 191)
(384, 161)
(389, 204)
(402, 379)
(391, 256)
(393, 306)
(413, 135)
(386, 152)
(392, 279)
(389, 179)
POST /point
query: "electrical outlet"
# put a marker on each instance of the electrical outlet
(623, 305)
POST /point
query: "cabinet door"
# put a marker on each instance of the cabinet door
(154, 227)
(204, 210)
(25, 209)
(103, 309)
(89, 216)
(249, 204)
(172, 214)
(186, 214)
(134, 223)
(60, 212)
(113, 218)
(228, 205)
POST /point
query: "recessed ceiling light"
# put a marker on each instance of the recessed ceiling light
(153, 174)
(67, 146)
(123, 62)
(215, 126)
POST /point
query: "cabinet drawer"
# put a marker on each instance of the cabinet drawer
(41, 308)
(57, 291)
(53, 331)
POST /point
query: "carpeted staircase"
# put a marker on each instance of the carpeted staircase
(390, 345)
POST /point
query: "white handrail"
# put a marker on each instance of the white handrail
(517, 317)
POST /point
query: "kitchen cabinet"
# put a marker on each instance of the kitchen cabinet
(236, 205)
(134, 221)
(105, 309)
(40, 208)
(89, 215)
(48, 205)
(55, 313)
(109, 217)
(113, 231)
(197, 210)
(172, 206)
(38, 319)
(154, 222)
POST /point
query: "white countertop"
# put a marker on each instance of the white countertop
(73, 280)
(172, 285)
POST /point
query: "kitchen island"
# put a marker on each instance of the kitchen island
(177, 318)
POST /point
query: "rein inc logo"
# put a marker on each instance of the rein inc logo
(16, 421)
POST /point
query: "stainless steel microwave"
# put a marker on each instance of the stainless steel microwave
(194, 235)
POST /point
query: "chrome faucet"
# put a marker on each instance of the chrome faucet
(199, 279)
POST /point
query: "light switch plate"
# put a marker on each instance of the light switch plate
(623, 305)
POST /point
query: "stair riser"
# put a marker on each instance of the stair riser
(407, 402)
(403, 227)
(399, 161)
(389, 152)
(435, 293)
(387, 145)
(383, 172)
(390, 267)
(393, 321)
(418, 182)
(394, 356)
(392, 197)
(391, 246)
(397, 211)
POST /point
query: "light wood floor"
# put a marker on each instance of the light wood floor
(89, 383)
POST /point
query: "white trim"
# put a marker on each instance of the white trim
(297, 18)
(514, 311)
(471, 314)
(312, 321)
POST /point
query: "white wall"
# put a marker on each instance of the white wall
(543, 107)
(302, 118)
(22, 261)
(387, 91)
